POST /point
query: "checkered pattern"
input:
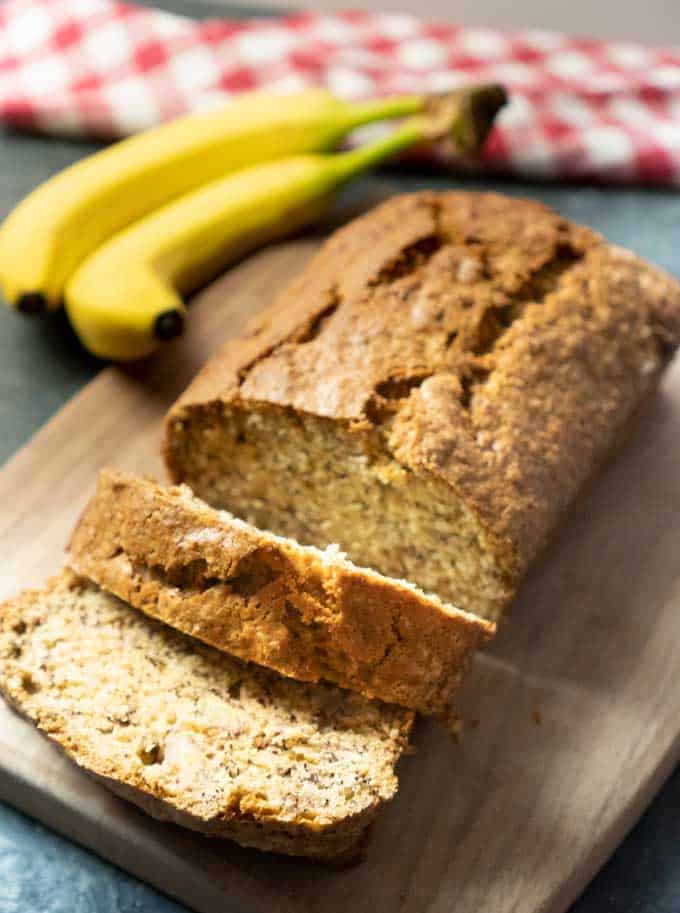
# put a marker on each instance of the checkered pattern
(580, 108)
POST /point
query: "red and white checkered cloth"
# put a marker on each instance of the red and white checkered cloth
(579, 109)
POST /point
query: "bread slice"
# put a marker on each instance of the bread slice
(433, 390)
(308, 614)
(193, 736)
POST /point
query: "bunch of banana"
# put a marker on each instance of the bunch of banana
(123, 234)
(54, 228)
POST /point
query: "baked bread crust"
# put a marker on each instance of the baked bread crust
(309, 615)
(488, 342)
(193, 736)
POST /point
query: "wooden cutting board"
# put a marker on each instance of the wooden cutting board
(575, 711)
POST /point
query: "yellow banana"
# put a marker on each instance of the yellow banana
(48, 235)
(126, 297)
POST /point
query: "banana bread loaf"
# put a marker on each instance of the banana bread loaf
(432, 391)
(306, 613)
(193, 736)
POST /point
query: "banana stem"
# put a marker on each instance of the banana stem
(349, 164)
(376, 109)
(464, 117)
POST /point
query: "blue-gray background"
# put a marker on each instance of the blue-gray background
(41, 366)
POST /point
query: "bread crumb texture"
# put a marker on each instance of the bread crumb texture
(193, 736)
(432, 391)
(306, 613)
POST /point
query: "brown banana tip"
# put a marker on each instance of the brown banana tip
(464, 117)
(168, 325)
(485, 103)
(32, 303)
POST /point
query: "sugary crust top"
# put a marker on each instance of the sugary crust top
(489, 341)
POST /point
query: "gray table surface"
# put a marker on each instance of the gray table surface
(42, 366)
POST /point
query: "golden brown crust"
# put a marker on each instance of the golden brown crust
(307, 614)
(282, 766)
(501, 349)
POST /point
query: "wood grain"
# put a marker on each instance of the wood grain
(577, 709)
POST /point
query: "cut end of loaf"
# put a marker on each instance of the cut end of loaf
(320, 482)
(193, 736)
